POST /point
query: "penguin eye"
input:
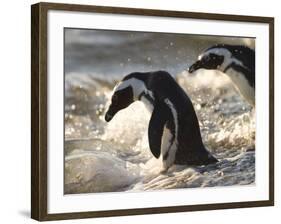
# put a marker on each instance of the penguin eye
(207, 58)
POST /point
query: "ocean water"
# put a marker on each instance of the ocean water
(115, 156)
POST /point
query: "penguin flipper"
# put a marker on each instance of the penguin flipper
(157, 122)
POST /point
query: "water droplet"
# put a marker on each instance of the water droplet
(73, 107)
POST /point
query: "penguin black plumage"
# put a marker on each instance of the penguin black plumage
(173, 130)
(237, 61)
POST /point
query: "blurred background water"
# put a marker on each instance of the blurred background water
(115, 156)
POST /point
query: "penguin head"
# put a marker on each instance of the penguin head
(120, 99)
(126, 92)
(210, 59)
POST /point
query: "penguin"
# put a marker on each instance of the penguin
(236, 61)
(173, 130)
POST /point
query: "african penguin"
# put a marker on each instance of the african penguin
(173, 130)
(237, 61)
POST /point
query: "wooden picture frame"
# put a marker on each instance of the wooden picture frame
(39, 109)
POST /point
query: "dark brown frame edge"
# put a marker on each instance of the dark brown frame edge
(39, 110)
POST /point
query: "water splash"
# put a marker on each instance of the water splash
(115, 156)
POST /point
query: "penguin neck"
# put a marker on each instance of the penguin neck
(241, 84)
(147, 98)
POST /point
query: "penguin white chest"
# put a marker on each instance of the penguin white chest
(242, 85)
(168, 148)
(169, 143)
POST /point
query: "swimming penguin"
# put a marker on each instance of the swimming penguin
(173, 130)
(237, 61)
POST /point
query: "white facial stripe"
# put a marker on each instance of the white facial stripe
(228, 59)
(168, 136)
(219, 51)
(137, 85)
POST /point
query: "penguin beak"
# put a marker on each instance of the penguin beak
(109, 114)
(108, 117)
(197, 65)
